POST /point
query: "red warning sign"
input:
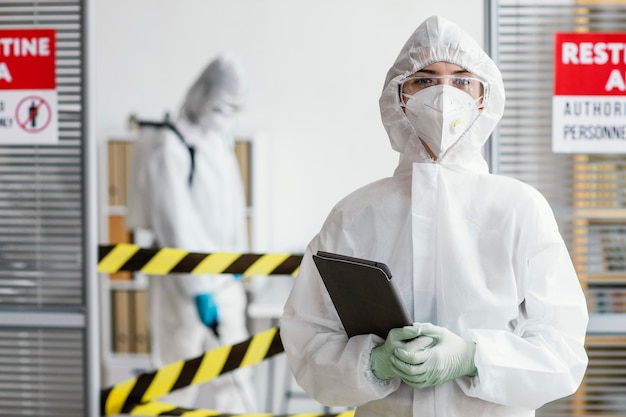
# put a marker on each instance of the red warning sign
(28, 96)
(588, 105)
(589, 64)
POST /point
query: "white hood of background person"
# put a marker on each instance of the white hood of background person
(435, 40)
(217, 96)
(476, 253)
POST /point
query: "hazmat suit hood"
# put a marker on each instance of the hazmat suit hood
(438, 39)
(216, 97)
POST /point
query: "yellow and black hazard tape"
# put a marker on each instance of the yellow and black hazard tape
(123, 397)
(162, 261)
(163, 409)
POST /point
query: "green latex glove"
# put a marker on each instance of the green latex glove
(382, 355)
(450, 357)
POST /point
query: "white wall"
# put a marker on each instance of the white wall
(316, 69)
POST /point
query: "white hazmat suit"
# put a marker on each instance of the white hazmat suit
(196, 202)
(476, 253)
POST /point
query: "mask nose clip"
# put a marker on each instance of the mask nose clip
(444, 102)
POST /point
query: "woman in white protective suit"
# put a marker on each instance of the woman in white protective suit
(186, 188)
(477, 257)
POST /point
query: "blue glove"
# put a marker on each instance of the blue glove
(207, 310)
(382, 355)
(449, 358)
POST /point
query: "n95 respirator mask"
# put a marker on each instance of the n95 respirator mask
(440, 115)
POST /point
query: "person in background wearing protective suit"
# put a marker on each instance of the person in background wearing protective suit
(186, 188)
(499, 314)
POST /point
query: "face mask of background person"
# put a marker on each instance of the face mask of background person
(220, 115)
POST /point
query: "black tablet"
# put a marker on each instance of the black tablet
(363, 293)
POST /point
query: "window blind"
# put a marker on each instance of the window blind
(41, 372)
(586, 192)
(43, 338)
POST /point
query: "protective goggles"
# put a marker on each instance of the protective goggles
(475, 87)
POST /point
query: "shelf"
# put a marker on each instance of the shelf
(116, 210)
(602, 215)
(133, 284)
(606, 277)
(120, 367)
(607, 324)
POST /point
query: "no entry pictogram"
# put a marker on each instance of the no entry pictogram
(33, 114)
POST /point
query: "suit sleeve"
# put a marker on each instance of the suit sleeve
(543, 358)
